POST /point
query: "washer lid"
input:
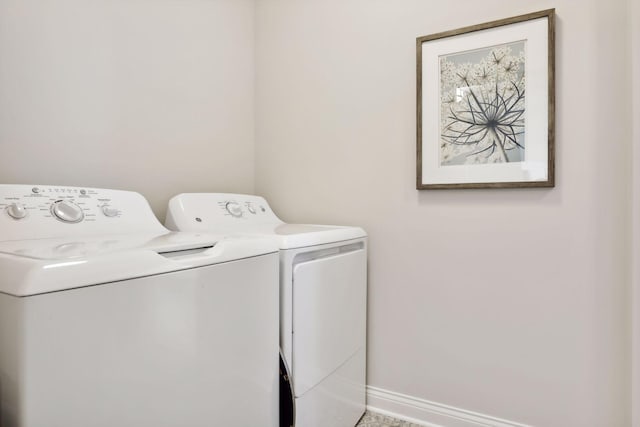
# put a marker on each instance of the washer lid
(63, 249)
(39, 266)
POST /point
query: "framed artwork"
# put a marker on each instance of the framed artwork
(486, 105)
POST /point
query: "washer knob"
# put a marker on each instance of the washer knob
(234, 209)
(16, 210)
(251, 209)
(110, 211)
(67, 211)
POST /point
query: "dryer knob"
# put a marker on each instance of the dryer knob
(234, 209)
(67, 211)
(16, 210)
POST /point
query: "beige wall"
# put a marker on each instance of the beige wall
(511, 303)
(633, 19)
(149, 95)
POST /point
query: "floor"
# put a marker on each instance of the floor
(371, 419)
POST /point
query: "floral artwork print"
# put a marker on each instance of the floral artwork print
(482, 106)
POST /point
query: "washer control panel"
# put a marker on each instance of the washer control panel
(66, 204)
(41, 211)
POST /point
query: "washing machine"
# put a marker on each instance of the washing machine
(323, 288)
(108, 319)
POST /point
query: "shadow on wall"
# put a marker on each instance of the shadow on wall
(506, 197)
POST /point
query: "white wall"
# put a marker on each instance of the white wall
(633, 18)
(511, 303)
(148, 95)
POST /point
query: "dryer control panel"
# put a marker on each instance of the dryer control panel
(223, 211)
(243, 206)
(42, 211)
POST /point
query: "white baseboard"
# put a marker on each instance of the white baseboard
(428, 414)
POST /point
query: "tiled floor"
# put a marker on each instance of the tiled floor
(371, 419)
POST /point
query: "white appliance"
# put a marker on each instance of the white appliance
(108, 319)
(322, 300)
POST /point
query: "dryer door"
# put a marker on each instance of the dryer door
(329, 315)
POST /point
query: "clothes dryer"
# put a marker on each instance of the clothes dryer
(322, 300)
(108, 319)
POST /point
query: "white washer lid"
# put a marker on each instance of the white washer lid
(62, 249)
(32, 267)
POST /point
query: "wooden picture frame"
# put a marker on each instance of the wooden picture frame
(486, 105)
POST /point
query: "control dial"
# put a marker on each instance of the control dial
(67, 211)
(16, 210)
(251, 209)
(110, 211)
(234, 209)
